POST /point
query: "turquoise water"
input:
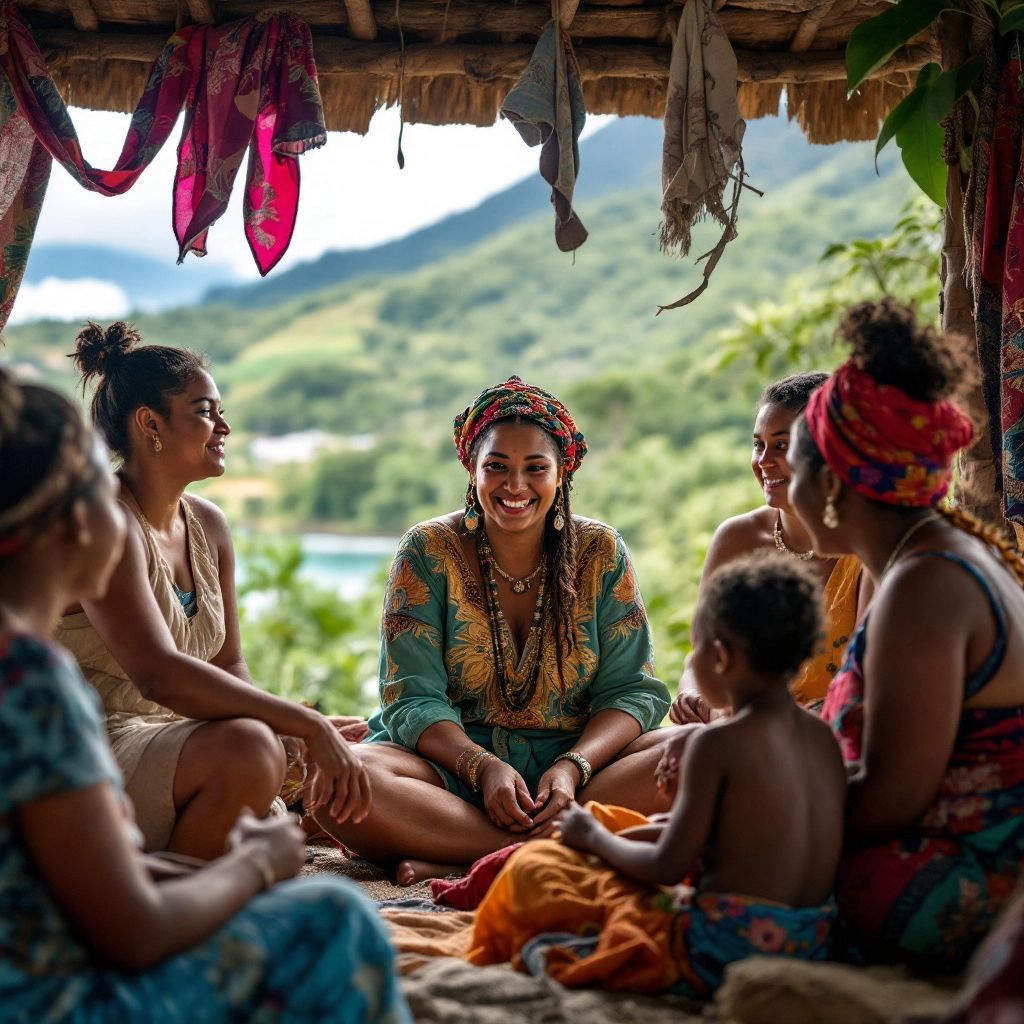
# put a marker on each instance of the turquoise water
(350, 565)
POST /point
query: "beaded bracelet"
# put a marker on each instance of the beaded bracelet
(580, 761)
(474, 768)
(460, 761)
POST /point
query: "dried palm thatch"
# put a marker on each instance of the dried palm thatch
(453, 60)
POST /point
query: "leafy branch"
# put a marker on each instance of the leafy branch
(915, 122)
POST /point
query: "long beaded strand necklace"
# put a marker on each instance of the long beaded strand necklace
(516, 683)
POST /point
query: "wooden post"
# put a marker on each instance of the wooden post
(361, 23)
(976, 482)
(202, 12)
(84, 15)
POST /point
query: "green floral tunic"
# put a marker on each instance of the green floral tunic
(437, 661)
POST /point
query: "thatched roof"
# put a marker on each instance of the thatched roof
(460, 57)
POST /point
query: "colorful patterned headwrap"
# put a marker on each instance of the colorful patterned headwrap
(514, 398)
(884, 444)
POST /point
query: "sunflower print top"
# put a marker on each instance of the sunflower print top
(437, 661)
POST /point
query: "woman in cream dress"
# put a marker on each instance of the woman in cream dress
(194, 739)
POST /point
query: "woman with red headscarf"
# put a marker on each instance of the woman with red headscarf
(516, 668)
(928, 707)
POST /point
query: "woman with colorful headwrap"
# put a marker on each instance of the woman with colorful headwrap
(516, 656)
(91, 928)
(928, 706)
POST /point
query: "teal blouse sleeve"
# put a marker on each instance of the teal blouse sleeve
(52, 736)
(625, 678)
(413, 677)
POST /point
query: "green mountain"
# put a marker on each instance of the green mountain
(383, 346)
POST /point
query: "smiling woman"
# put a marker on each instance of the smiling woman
(516, 667)
(775, 526)
(196, 742)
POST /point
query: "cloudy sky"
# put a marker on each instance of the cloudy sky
(353, 193)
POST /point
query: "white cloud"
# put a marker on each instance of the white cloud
(353, 194)
(60, 299)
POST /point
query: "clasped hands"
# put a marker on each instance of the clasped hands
(510, 806)
(337, 781)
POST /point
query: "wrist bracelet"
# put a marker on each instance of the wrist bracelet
(580, 761)
(460, 761)
(474, 769)
(266, 872)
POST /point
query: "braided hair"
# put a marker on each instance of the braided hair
(560, 548)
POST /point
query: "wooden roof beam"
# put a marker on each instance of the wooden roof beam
(361, 23)
(84, 15)
(337, 56)
(202, 12)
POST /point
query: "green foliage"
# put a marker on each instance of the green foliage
(874, 41)
(666, 403)
(915, 122)
(797, 332)
(302, 641)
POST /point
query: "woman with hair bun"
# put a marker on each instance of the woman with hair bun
(195, 740)
(91, 929)
(928, 706)
(774, 526)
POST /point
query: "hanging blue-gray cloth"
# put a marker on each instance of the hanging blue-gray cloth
(546, 107)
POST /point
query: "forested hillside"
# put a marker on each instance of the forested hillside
(408, 333)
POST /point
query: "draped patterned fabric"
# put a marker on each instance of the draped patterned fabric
(995, 227)
(250, 84)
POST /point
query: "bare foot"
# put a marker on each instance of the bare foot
(412, 871)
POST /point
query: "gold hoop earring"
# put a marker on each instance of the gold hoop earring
(559, 521)
(157, 443)
(830, 515)
(471, 519)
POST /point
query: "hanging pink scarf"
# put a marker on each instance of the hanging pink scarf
(250, 84)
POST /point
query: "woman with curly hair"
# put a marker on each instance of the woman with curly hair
(516, 670)
(928, 706)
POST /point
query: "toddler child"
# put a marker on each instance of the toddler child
(756, 824)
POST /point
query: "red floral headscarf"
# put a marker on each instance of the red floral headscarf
(514, 398)
(883, 443)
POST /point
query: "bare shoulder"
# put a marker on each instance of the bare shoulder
(213, 521)
(739, 535)
(822, 741)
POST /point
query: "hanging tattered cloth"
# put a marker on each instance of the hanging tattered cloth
(703, 136)
(258, 90)
(546, 107)
(263, 80)
(994, 215)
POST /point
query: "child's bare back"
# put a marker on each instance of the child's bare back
(777, 833)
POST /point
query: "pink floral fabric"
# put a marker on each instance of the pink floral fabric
(249, 85)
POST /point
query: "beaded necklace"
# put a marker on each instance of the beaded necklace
(517, 683)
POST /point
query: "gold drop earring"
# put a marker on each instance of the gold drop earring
(157, 443)
(471, 520)
(559, 521)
